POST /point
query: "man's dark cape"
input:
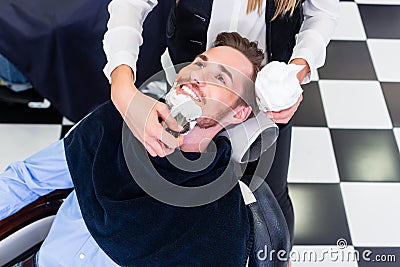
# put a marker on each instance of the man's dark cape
(135, 229)
(57, 45)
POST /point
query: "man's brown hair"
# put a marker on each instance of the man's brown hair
(247, 48)
(253, 54)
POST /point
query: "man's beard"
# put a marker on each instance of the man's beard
(208, 122)
(204, 122)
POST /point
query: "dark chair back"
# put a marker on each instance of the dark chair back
(22, 233)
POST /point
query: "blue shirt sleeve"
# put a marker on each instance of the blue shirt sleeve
(24, 181)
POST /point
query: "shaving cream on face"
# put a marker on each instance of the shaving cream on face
(277, 86)
(183, 108)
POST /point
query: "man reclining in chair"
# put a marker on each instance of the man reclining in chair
(109, 219)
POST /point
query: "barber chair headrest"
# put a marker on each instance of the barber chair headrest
(251, 138)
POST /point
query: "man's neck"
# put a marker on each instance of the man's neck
(198, 139)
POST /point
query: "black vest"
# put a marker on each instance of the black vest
(189, 20)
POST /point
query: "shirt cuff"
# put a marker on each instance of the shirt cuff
(117, 59)
(311, 47)
(308, 56)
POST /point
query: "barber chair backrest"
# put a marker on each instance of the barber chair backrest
(271, 234)
(22, 233)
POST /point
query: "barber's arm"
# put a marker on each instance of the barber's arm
(124, 33)
(24, 181)
(320, 20)
(121, 46)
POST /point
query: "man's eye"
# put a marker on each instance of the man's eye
(221, 79)
(199, 63)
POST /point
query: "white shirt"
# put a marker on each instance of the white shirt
(123, 37)
(252, 25)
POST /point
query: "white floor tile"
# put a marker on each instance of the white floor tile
(350, 25)
(379, 2)
(373, 213)
(323, 256)
(312, 157)
(354, 104)
(397, 136)
(19, 141)
(386, 57)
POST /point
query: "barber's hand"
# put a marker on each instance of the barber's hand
(285, 115)
(141, 113)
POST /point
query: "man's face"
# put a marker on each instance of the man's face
(215, 80)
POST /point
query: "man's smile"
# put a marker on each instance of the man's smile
(190, 90)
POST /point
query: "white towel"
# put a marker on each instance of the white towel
(277, 86)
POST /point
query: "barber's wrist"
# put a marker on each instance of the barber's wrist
(122, 87)
(304, 72)
(122, 72)
(122, 79)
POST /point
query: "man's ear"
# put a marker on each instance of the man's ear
(241, 114)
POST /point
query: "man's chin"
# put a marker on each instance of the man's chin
(206, 123)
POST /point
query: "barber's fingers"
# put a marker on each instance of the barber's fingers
(159, 133)
(269, 114)
(285, 115)
(150, 149)
(142, 118)
(166, 150)
(165, 115)
(281, 117)
(278, 117)
(157, 148)
(154, 147)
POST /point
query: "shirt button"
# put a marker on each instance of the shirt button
(81, 256)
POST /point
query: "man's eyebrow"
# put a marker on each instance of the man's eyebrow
(226, 71)
(202, 57)
(221, 67)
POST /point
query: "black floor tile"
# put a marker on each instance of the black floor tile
(348, 60)
(379, 257)
(381, 21)
(366, 155)
(320, 217)
(21, 113)
(391, 91)
(311, 111)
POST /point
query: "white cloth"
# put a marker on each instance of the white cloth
(123, 37)
(248, 196)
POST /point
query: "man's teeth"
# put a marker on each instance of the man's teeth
(190, 92)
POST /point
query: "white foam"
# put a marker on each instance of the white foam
(277, 86)
(184, 105)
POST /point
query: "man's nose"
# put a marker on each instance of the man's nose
(198, 78)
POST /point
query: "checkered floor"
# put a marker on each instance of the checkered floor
(344, 172)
